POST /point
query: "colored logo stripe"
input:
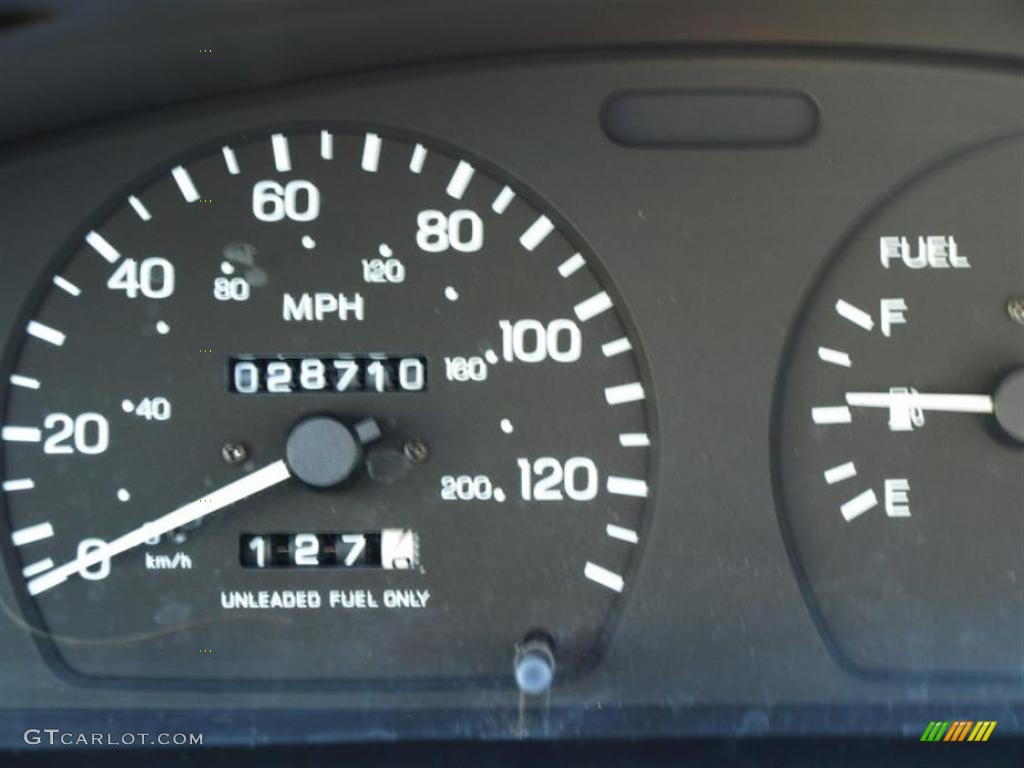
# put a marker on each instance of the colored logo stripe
(934, 731)
(958, 730)
(982, 730)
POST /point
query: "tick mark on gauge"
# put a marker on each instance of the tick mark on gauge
(31, 534)
(571, 265)
(834, 356)
(67, 286)
(536, 233)
(592, 307)
(100, 244)
(419, 157)
(460, 180)
(230, 161)
(371, 153)
(840, 472)
(634, 440)
(308, 242)
(40, 566)
(46, 333)
(491, 357)
(127, 406)
(832, 414)
(499, 495)
(604, 577)
(617, 347)
(26, 382)
(385, 251)
(858, 505)
(163, 328)
(282, 153)
(622, 534)
(627, 486)
(855, 315)
(326, 145)
(21, 434)
(123, 495)
(141, 210)
(624, 393)
(502, 201)
(451, 294)
(227, 268)
(185, 184)
(24, 484)
(506, 426)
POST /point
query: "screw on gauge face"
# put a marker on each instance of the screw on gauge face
(534, 666)
(1015, 309)
(416, 451)
(234, 453)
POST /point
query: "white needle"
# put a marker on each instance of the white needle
(251, 484)
(927, 402)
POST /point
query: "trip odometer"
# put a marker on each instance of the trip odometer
(325, 405)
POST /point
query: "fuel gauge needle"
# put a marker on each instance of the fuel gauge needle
(233, 492)
(923, 402)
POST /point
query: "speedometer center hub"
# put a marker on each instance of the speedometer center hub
(322, 452)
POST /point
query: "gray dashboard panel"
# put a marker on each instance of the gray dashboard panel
(713, 251)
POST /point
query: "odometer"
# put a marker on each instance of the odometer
(463, 466)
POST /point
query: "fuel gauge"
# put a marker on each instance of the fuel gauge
(899, 427)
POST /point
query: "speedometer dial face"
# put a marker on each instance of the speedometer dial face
(900, 430)
(324, 404)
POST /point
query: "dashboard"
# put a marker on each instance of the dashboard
(644, 376)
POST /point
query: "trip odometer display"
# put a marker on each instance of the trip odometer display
(325, 404)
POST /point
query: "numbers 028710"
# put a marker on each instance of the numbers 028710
(311, 374)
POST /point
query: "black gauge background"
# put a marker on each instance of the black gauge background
(118, 201)
(798, 327)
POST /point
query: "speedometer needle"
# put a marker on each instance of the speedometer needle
(240, 489)
(926, 402)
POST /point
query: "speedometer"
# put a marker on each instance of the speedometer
(329, 403)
